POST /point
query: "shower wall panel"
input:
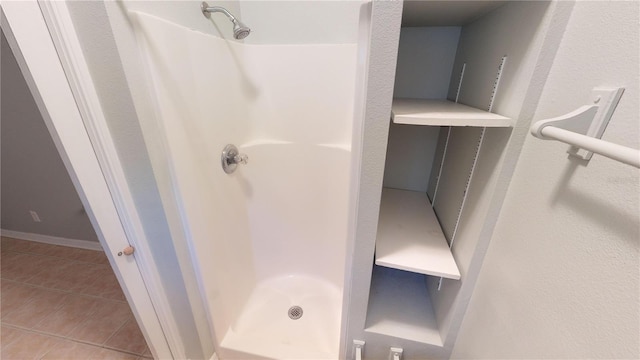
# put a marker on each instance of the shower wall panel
(212, 212)
(289, 107)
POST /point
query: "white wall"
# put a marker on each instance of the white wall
(300, 22)
(186, 12)
(560, 279)
(271, 21)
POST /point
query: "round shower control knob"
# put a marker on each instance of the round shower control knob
(231, 157)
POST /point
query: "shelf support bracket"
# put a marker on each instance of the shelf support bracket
(583, 129)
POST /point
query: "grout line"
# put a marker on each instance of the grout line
(54, 256)
(65, 291)
(90, 314)
(61, 337)
(115, 332)
(3, 345)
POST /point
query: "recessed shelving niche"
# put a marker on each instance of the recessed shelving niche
(484, 57)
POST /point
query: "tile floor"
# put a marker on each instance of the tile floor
(63, 303)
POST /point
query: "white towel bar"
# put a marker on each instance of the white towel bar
(583, 128)
(604, 148)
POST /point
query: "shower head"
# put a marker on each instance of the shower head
(240, 30)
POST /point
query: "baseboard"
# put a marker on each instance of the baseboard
(53, 240)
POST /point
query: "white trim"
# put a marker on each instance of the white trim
(140, 82)
(30, 40)
(64, 36)
(53, 240)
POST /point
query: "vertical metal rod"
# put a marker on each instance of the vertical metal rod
(464, 66)
(444, 155)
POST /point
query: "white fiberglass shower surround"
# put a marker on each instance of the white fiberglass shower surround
(269, 240)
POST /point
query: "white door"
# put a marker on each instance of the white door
(26, 30)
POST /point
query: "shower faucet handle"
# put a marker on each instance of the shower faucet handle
(241, 159)
(231, 157)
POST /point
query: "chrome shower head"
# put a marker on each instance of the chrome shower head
(240, 30)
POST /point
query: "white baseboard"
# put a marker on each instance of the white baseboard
(53, 240)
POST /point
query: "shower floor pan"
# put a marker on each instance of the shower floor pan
(288, 317)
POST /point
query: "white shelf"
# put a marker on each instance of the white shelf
(443, 113)
(410, 237)
(399, 306)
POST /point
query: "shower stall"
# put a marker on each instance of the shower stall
(254, 123)
(304, 221)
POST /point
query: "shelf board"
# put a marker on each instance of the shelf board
(443, 113)
(399, 306)
(410, 237)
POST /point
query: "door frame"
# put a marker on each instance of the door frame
(44, 42)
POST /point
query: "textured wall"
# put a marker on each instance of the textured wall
(560, 279)
(33, 174)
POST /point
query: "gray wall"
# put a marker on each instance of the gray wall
(33, 174)
(425, 63)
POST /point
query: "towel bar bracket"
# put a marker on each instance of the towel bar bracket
(357, 350)
(590, 120)
(395, 353)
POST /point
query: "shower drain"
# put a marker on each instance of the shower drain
(295, 312)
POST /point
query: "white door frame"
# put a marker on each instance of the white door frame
(88, 152)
